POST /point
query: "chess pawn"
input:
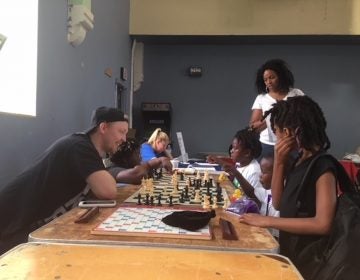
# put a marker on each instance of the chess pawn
(211, 180)
(197, 196)
(188, 182)
(206, 176)
(206, 203)
(214, 205)
(198, 175)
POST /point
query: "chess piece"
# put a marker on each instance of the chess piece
(206, 203)
(159, 200)
(206, 176)
(175, 190)
(186, 192)
(182, 200)
(139, 199)
(208, 190)
(211, 181)
(197, 196)
(214, 204)
(170, 200)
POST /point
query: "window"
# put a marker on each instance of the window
(18, 56)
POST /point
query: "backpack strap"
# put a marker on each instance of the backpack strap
(344, 182)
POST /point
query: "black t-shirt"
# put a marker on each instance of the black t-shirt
(291, 244)
(48, 187)
(114, 170)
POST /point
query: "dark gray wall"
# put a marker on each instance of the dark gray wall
(209, 110)
(71, 81)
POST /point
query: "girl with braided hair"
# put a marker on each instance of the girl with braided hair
(299, 125)
(274, 82)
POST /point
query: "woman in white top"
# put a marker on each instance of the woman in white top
(274, 82)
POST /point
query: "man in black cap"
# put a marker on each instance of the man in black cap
(58, 179)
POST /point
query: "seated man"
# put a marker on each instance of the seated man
(56, 181)
(126, 166)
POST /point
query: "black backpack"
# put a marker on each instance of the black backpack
(336, 256)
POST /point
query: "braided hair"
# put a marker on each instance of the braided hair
(249, 139)
(305, 117)
(280, 67)
(126, 150)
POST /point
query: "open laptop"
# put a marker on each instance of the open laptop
(198, 164)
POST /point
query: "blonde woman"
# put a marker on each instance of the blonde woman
(156, 146)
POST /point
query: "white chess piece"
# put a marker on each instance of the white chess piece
(206, 176)
(197, 196)
(175, 190)
(214, 205)
(206, 203)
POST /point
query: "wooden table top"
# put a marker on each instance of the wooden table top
(64, 230)
(70, 261)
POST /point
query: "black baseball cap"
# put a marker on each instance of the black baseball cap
(105, 114)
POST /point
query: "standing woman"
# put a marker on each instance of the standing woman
(156, 146)
(274, 82)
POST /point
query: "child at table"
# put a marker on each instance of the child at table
(267, 165)
(245, 170)
(126, 166)
(300, 126)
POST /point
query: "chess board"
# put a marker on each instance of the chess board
(138, 221)
(164, 188)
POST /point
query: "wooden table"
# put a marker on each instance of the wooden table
(64, 230)
(65, 261)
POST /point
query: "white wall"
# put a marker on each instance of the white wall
(71, 81)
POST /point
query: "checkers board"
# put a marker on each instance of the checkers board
(164, 188)
(146, 222)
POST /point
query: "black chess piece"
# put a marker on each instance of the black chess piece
(208, 190)
(219, 196)
(182, 176)
(198, 183)
(210, 199)
(182, 200)
(211, 182)
(170, 200)
(186, 192)
(159, 200)
(151, 200)
(147, 199)
(139, 199)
